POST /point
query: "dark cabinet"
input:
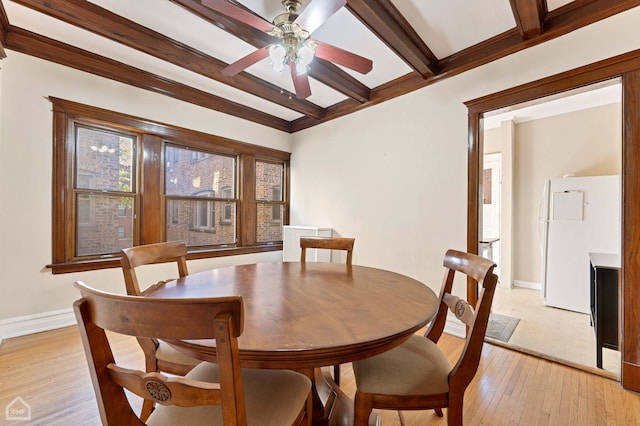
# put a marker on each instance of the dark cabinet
(605, 271)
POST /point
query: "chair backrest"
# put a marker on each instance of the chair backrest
(217, 318)
(172, 251)
(330, 243)
(475, 317)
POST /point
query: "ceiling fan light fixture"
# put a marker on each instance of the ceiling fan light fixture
(306, 52)
(277, 53)
(304, 56)
(291, 47)
(300, 53)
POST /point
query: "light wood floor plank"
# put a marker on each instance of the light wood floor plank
(49, 372)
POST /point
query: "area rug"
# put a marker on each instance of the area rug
(501, 327)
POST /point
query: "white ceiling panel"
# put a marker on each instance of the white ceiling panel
(392, 34)
(453, 25)
(554, 4)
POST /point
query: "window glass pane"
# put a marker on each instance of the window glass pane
(101, 227)
(104, 160)
(200, 222)
(204, 214)
(189, 172)
(269, 181)
(269, 223)
(228, 209)
(276, 212)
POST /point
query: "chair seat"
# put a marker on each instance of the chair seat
(416, 367)
(166, 352)
(272, 398)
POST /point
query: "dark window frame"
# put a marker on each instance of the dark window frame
(149, 226)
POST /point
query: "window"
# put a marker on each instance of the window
(269, 200)
(197, 156)
(120, 181)
(276, 209)
(187, 183)
(228, 209)
(104, 170)
(204, 217)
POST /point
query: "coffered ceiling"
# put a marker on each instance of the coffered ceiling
(179, 47)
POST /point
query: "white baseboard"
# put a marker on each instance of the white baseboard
(527, 284)
(455, 327)
(29, 324)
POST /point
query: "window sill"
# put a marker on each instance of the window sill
(114, 262)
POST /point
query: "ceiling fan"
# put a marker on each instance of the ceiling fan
(292, 46)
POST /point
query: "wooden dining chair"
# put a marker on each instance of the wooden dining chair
(210, 394)
(159, 356)
(328, 243)
(417, 375)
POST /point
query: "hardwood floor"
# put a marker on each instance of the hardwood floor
(49, 372)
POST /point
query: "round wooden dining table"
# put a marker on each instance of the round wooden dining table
(303, 316)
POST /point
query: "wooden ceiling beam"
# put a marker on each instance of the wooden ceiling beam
(324, 71)
(4, 28)
(558, 22)
(384, 20)
(28, 43)
(333, 76)
(529, 16)
(93, 18)
(580, 13)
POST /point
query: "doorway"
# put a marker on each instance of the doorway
(491, 205)
(627, 68)
(578, 134)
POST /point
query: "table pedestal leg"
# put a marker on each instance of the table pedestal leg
(331, 406)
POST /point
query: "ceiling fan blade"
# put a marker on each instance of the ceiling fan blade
(317, 12)
(233, 11)
(246, 62)
(300, 83)
(343, 57)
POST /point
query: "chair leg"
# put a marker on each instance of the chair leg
(309, 410)
(147, 409)
(362, 409)
(454, 411)
(438, 412)
(336, 374)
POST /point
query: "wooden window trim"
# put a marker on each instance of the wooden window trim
(152, 136)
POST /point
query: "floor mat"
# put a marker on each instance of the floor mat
(501, 327)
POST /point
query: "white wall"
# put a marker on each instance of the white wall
(394, 176)
(27, 288)
(384, 180)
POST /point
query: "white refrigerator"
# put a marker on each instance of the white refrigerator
(577, 215)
